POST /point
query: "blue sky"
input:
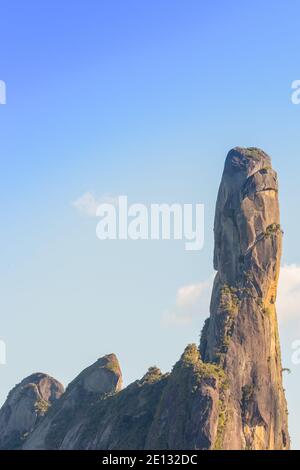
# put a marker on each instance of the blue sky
(144, 99)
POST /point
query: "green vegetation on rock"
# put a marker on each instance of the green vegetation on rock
(222, 419)
(272, 229)
(229, 300)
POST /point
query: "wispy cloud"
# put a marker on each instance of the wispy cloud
(88, 203)
(188, 295)
(288, 299)
(192, 300)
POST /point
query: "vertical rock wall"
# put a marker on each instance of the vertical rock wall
(241, 334)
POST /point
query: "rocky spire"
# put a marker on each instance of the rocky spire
(241, 334)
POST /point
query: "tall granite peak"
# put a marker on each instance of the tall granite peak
(227, 392)
(241, 334)
(24, 407)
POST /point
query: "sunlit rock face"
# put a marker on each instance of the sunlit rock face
(241, 334)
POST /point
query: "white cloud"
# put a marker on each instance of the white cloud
(288, 299)
(188, 295)
(192, 300)
(87, 204)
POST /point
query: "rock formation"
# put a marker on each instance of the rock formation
(241, 334)
(225, 394)
(26, 404)
(64, 422)
(159, 411)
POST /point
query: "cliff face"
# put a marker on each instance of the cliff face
(226, 394)
(241, 334)
(188, 412)
(26, 404)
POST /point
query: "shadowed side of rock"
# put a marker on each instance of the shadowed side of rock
(187, 415)
(24, 407)
(179, 410)
(63, 422)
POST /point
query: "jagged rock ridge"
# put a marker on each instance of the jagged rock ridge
(226, 394)
(152, 413)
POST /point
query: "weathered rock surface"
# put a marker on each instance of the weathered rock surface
(177, 410)
(64, 421)
(241, 334)
(188, 411)
(26, 404)
(226, 394)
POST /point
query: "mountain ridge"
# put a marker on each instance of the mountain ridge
(225, 393)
